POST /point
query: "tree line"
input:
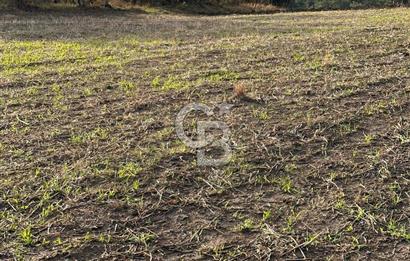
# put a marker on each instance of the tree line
(289, 4)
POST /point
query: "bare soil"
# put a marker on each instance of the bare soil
(91, 166)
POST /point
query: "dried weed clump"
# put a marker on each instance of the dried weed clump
(239, 90)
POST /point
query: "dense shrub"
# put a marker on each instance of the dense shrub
(339, 4)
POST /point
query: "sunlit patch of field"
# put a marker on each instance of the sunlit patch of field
(91, 166)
